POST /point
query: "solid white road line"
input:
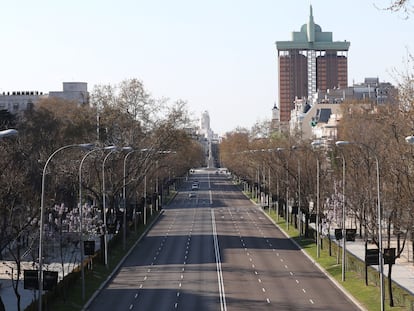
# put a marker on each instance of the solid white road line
(223, 306)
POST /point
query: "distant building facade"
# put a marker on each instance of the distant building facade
(274, 124)
(317, 117)
(73, 91)
(209, 140)
(18, 101)
(308, 63)
(205, 129)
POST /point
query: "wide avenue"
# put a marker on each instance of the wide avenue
(215, 250)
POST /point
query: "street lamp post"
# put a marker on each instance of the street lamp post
(315, 144)
(277, 191)
(318, 238)
(299, 193)
(147, 168)
(277, 188)
(410, 140)
(258, 184)
(8, 133)
(42, 207)
(81, 215)
(159, 198)
(145, 199)
(81, 223)
(299, 200)
(278, 197)
(287, 188)
(130, 150)
(343, 221)
(157, 203)
(269, 198)
(343, 217)
(380, 255)
(112, 150)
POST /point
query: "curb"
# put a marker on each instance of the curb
(334, 281)
(118, 266)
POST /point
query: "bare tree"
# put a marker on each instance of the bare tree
(404, 6)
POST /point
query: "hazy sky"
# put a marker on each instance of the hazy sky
(218, 55)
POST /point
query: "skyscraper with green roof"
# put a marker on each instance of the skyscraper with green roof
(309, 62)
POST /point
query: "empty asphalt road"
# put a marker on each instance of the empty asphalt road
(215, 250)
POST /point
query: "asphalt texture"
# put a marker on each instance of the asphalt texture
(215, 250)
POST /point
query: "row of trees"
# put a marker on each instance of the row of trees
(121, 115)
(377, 133)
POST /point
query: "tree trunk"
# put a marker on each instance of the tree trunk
(2, 307)
(366, 266)
(330, 243)
(390, 285)
(306, 225)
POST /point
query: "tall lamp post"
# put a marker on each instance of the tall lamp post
(159, 198)
(380, 255)
(299, 192)
(277, 189)
(129, 151)
(8, 133)
(112, 150)
(81, 222)
(82, 252)
(410, 140)
(287, 187)
(42, 199)
(269, 198)
(343, 215)
(316, 144)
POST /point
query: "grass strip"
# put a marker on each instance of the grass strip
(70, 299)
(368, 296)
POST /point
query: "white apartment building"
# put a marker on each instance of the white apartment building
(317, 116)
(17, 101)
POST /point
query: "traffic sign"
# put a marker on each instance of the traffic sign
(338, 234)
(371, 256)
(389, 256)
(31, 280)
(49, 279)
(89, 247)
(350, 234)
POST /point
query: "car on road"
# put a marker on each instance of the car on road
(191, 195)
(194, 186)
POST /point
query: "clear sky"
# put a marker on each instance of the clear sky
(218, 55)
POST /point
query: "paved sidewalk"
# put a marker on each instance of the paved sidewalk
(27, 296)
(8, 296)
(402, 271)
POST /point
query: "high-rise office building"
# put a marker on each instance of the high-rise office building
(309, 62)
(205, 125)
